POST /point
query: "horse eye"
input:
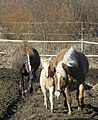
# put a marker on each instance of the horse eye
(49, 67)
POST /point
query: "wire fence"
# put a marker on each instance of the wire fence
(48, 37)
(39, 42)
(48, 30)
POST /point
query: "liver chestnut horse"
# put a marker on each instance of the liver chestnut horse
(72, 68)
(26, 61)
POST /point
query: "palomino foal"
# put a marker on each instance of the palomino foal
(46, 81)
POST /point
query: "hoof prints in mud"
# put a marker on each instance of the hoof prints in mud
(10, 110)
(8, 91)
(32, 107)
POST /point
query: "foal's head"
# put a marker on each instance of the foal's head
(47, 66)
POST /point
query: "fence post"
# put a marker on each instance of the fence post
(82, 37)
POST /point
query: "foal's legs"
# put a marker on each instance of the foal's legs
(81, 96)
(68, 99)
(45, 96)
(51, 97)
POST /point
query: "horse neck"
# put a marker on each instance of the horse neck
(51, 73)
(26, 49)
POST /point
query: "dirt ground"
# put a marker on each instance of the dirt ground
(32, 106)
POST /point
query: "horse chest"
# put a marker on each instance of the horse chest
(48, 82)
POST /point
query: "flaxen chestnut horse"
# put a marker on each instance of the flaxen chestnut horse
(26, 61)
(71, 67)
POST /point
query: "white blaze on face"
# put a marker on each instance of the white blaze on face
(58, 76)
(45, 65)
(29, 63)
(57, 92)
(60, 72)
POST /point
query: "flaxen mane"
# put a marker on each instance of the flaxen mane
(70, 58)
(59, 57)
(26, 48)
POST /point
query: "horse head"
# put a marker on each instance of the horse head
(46, 64)
(61, 78)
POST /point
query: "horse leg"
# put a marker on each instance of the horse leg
(81, 96)
(68, 99)
(45, 96)
(65, 104)
(51, 97)
(21, 86)
(30, 86)
(20, 90)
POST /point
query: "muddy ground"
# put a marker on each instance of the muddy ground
(32, 108)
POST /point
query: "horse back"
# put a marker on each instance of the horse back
(59, 57)
(34, 59)
(79, 73)
(83, 63)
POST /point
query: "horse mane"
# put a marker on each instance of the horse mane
(60, 70)
(70, 58)
(26, 48)
(59, 57)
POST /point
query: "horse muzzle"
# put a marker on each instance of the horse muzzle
(58, 94)
(46, 75)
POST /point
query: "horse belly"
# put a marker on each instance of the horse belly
(73, 72)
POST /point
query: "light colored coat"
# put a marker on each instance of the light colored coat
(46, 81)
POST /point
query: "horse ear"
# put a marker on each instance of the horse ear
(53, 68)
(64, 66)
(49, 59)
(41, 59)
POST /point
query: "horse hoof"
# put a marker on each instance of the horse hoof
(24, 94)
(70, 113)
(52, 110)
(79, 109)
(30, 89)
(20, 94)
(45, 106)
(65, 104)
